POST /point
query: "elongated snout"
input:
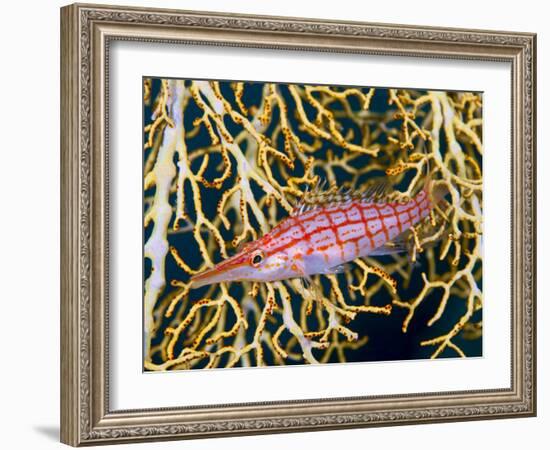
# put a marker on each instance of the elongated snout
(209, 276)
(232, 269)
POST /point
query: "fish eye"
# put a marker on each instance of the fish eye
(257, 258)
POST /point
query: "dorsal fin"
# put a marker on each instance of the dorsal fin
(320, 196)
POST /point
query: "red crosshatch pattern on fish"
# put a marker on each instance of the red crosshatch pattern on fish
(329, 230)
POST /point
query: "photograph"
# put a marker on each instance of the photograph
(291, 224)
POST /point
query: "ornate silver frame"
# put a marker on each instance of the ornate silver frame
(86, 31)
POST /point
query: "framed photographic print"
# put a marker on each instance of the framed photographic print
(274, 224)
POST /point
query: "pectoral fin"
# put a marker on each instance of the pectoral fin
(308, 286)
(391, 248)
(336, 269)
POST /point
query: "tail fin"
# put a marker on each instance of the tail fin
(436, 191)
(428, 181)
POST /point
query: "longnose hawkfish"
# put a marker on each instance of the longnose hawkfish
(323, 233)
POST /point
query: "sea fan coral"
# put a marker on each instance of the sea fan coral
(224, 162)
